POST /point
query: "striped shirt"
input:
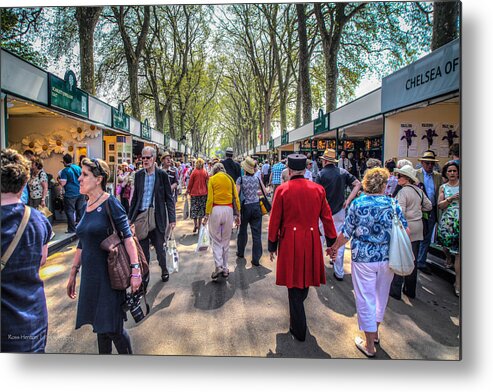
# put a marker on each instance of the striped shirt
(276, 173)
(150, 179)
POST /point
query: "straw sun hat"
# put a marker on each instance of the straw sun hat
(330, 155)
(248, 165)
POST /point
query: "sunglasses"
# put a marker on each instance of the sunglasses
(147, 157)
(98, 166)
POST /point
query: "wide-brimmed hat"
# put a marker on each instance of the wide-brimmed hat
(166, 154)
(408, 171)
(330, 155)
(248, 165)
(428, 156)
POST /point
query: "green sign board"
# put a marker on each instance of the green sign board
(145, 130)
(284, 138)
(321, 124)
(119, 119)
(65, 95)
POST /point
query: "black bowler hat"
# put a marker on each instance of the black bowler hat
(297, 162)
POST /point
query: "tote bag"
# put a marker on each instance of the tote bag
(401, 257)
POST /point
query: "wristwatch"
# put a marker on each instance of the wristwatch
(136, 266)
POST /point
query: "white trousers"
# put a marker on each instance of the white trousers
(220, 226)
(339, 261)
(371, 282)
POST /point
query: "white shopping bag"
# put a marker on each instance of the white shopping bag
(204, 239)
(173, 258)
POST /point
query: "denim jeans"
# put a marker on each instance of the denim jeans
(251, 214)
(74, 209)
(425, 244)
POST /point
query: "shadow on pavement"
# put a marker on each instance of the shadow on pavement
(188, 239)
(427, 311)
(288, 347)
(337, 295)
(243, 277)
(213, 295)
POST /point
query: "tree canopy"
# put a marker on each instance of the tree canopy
(219, 75)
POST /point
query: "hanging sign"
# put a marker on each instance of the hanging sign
(145, 130)
(65, 95)
(321, 123)
(120, 120)
(284, 137)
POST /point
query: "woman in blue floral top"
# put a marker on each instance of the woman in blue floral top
(368, 224)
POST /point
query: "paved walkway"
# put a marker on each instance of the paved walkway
(247, 314)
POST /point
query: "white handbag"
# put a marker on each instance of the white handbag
(401, 257)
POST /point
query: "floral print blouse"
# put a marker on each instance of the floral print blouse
(368, 224)
(35, 187)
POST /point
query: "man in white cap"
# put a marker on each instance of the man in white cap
(430, 181)
(232, 167)
(335, 180)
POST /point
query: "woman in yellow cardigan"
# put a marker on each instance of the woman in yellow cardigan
(223, 207)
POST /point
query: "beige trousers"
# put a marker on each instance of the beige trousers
(220, 226)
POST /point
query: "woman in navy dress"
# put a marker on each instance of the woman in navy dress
(24, 314)
(99, 305)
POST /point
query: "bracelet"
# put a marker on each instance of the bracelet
(76, 267)
(135, 275)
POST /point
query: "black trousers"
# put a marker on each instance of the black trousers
(251, 214)
(121, 341)
(409, 281)
(156, 238)
(297, 318)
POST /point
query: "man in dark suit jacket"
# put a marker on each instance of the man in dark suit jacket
(152, 187)
(232, 167)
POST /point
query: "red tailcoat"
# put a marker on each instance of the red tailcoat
(293, 227)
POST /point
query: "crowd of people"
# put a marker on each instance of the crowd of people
(311, 207)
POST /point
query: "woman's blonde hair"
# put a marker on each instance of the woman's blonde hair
(375, 180)
(218, 167)
(199, 164)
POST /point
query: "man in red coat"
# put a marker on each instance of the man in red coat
(295, 238)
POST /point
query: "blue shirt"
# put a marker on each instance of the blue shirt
(429, 186)
(25, 195)
(71, 174)
(149, 181)
(265, 169)
(276, 173)
(369, 224)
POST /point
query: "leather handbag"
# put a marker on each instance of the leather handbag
(119, 268)
(401, 257)
(265, 205)
(144, 223)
